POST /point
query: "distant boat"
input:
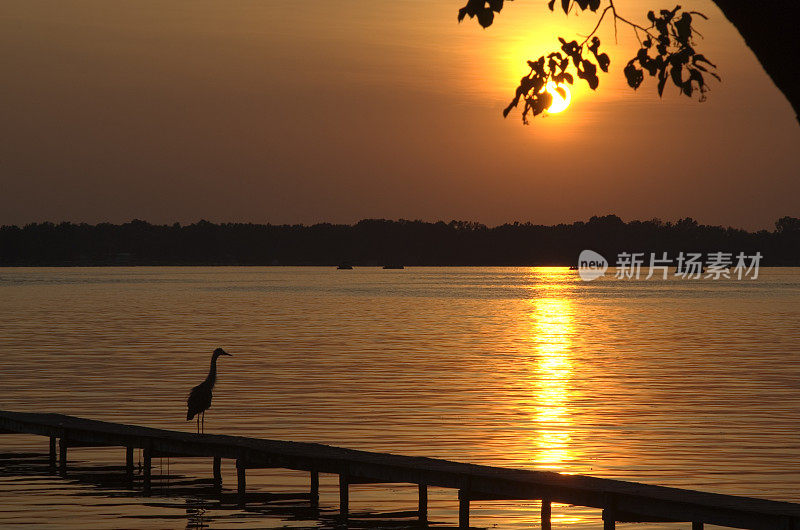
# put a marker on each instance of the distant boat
(573, 268)
(344, 267)
(393, 266)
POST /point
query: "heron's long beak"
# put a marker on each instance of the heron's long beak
(226, 353)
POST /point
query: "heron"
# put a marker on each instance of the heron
(200, 397)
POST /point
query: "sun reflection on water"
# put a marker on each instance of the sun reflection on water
(551, 339)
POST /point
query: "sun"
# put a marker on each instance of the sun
(560, 99)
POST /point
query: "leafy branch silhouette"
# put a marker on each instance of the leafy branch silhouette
(667, 51)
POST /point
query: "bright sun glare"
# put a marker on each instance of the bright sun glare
(560, 102)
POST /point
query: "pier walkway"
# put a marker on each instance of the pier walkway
(620, 501)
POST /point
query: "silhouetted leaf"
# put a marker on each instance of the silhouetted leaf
(478, 9)
(681, 57)
(661, 27)
(694, 75)
(564, 77)
(572, 50)
(541, 102)
(550, 4)
(698, 58)
(662, 80)
(537, 66)
(661, 47)
(667, 15)
(588, 72)
(652, 65)
(565, 5)
(594, 4)
(675, 73)
(633, 75)
(602, 58)
(683, 28)
(603, 61)
(485, 17)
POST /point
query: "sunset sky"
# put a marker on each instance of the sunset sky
(312, 110)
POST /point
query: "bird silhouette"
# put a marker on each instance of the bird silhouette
(200, 397)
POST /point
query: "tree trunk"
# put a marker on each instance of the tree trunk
(770, 30)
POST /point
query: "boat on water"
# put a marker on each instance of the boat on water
(344, 267)
(573, 267)
(393, 266)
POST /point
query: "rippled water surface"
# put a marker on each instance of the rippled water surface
(683, 383)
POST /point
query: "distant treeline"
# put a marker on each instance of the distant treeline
(379, 242)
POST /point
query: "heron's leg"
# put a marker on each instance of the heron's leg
(203, 423)
(198, 424)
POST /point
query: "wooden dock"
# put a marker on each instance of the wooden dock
(619, 501)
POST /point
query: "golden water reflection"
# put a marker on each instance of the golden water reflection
(551, 335)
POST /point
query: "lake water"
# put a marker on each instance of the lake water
(683, 383)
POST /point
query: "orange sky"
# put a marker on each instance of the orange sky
(313, 110)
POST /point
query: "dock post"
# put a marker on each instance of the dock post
(696, 525)
(52, 452)
(147, 471)
(314, 493)
(217, 473)
(241, 480)
(344, 497)
(62, 456)
(546, 513)
(423, 503)
(463, 509)
(608, 520)
(129, 463)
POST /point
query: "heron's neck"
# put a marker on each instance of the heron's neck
(212, 372)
